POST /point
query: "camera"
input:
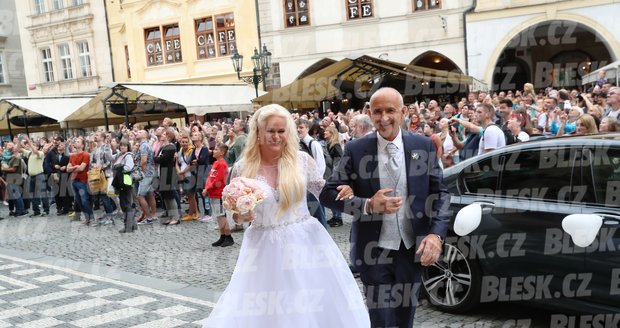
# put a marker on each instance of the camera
(455, 126)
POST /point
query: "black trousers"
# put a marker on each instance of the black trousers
(125, 198)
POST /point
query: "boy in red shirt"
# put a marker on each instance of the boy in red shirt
(213, 188)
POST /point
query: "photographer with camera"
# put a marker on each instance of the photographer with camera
(446, 135)
(568, 121)
(472, 134)
(37, 181)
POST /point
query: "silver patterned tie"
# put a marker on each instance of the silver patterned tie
(392, 164)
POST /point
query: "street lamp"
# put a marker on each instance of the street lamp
(261, 62)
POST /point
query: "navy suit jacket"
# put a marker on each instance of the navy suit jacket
(427, 196)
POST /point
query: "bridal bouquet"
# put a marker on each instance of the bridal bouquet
(241, 195)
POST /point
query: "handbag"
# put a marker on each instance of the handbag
(136, 173)
(97, 182)
(55, 177)
(122, 181)
(111, 191)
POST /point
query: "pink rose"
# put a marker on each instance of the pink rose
(246, 203)
(242, 194)
(260, 195)
(226, 205)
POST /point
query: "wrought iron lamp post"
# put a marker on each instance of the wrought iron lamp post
(262, 64)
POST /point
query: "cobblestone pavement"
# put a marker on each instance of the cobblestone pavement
(183, 254)
(40, 295)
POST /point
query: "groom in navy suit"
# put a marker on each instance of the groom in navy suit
(399, 207)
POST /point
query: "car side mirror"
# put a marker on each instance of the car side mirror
(468, 219)
(582, 228)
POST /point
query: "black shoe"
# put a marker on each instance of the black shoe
(336, 223)
(219, 242)
(228, 241)
(331, 221)
(11, 213)
(20, 214)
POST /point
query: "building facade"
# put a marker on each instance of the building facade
(547, 43)
(501, 43)
(65, 46)
(181, 41)
(303, 32)
(12, 78)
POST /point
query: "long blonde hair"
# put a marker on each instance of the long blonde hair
(589, 123)
(290, 183)
(335, 138)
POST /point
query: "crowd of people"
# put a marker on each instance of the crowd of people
(483, 122)
(128, 171)
(143, 174)
(167, 165)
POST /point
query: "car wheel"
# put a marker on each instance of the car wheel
(452, 284)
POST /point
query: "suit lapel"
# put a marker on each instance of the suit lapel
(409, 148)
(371, 150)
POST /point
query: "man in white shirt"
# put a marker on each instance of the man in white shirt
(399, 210)
(316, 151)
(493, 137)
(550, 104)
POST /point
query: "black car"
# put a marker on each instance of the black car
(521, 251)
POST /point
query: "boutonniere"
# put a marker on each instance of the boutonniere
(415, 156)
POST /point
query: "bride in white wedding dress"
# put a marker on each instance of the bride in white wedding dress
(289, 273)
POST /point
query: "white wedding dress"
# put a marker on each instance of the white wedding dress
(289, 273)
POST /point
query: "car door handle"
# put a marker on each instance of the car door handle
(609, 219)
(487, 207)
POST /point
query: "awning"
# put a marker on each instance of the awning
(163, 98)
(38, 113)
(308, 91)
(203, 99)
(57, 108)
(358, 78)
(477, 85)
(612, 72)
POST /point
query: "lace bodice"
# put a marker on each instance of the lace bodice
(267, 210)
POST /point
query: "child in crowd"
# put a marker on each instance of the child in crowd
(213, 189)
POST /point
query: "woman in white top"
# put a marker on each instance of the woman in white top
(450, 152)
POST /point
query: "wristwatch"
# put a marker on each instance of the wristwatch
(439, 237)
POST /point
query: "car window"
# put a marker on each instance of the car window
(543, 174)
(603, 176)
(481, 177)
